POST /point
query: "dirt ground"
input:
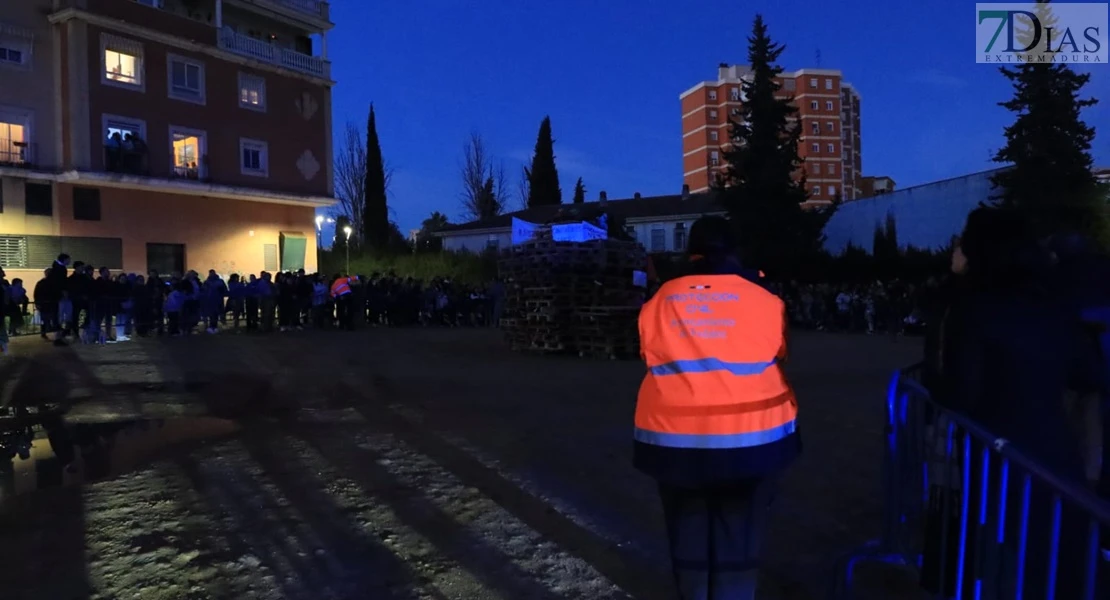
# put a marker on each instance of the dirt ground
(388, 464)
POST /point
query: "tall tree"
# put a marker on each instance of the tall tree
(1048, 146)
(579, 192)
(543, 177)
(484, 193)
(350, 177)
(375, 227)
(759, 188)
(425, 240)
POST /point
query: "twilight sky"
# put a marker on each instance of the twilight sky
(609, 73)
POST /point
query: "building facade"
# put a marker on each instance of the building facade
(875, 185)
(659, 223)
(163, 134)
(828, 113)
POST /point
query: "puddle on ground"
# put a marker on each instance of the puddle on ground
(42, 451)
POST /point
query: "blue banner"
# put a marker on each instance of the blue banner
(523, 231)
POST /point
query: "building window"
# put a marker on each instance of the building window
(254, 157)
(816, 128)
(828, 105)
(713, 135)
(125, 149)
(735, 95)
(714, 158)
(188, 153)
(816, 191)
(813, 82)
(186, 79)
(813, 105)
(13, 252)
(815, 147)
(39, 199)
(14, 52)
(658, 240)
(252, 92)
(631, 231)
(713, 115)
(712, 94)
(15, 138)
(492, 242)
(789, 85)
(830, 126)
(165, 259)
(122, 62)
(830, 148)
(831, 168)
(828, 84)
(86, 204)
(679, 237)
(832, 190)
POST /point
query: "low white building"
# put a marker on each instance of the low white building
(660, 223)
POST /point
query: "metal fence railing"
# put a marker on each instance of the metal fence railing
(974, 516)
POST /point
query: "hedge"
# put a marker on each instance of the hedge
(464, 267)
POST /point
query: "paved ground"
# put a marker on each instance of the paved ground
(405, 464)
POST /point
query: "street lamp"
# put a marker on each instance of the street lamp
(347, 232)
(319, 231)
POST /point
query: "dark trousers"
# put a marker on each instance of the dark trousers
(716, 536)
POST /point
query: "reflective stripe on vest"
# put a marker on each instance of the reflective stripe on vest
(341, 287)
(713, 344)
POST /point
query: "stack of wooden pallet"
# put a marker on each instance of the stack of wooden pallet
(572, 297)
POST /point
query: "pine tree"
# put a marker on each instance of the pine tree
(1048, 146)
(543, 177)
(488, 204)
(579, 192)
(375, 225)
(759, 189)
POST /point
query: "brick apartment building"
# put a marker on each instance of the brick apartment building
(829, 111)
(163, 134)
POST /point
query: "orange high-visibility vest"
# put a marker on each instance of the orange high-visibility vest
(713, 346)
(341, 287)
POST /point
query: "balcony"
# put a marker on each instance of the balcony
(17, 154)
(313, 12)
(316, 8)
(273, 54)
(126, 160)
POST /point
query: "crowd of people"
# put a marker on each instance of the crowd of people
(93, 305)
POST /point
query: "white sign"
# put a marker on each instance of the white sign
(523, 231)
(577, 232)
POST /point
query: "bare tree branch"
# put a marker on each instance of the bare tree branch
(483, 182)
(350, 176)
(523, 187)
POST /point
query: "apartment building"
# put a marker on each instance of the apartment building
(828, 113)
(163, 134)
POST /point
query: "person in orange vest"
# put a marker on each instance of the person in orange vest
(341, 293)
(715, 416)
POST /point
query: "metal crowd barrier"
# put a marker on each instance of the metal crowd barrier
(973, 516)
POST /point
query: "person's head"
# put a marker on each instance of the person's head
(17, 282)
(63, 259)
(999, 244)
(712, 238)
(105, 273)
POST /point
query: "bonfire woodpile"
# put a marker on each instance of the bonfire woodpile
(572, 297)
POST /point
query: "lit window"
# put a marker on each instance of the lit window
(125, 149)
(252, 92)
(14, 146)
(186, 80)
(254, 157)
(713, 135)
(188, 153)
(712, 94)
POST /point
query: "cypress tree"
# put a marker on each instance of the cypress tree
(579, 192)
(1048, 146)
(760, 191)
(376, 227)
(543, 177)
